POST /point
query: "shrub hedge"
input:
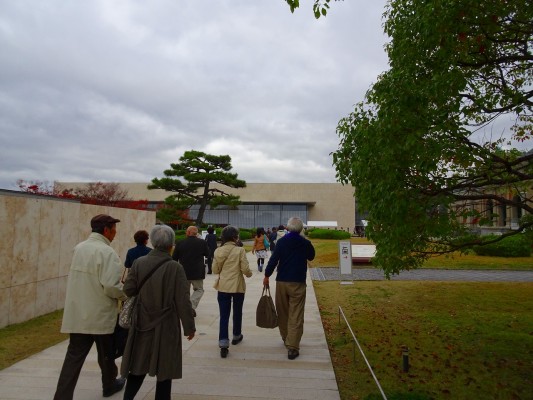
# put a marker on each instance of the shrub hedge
(518, 245)
(245, 234)
(328, 234)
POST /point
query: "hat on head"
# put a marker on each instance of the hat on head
(103, 219)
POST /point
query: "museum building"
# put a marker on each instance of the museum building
(266, 204)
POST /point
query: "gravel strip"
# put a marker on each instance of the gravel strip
(373, 274)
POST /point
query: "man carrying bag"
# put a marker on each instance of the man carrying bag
(290, 259)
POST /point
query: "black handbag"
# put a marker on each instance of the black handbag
(266, 316)
(120, 337)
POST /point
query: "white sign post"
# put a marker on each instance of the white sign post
(345, 261)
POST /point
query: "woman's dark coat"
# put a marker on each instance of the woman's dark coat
(154, 340)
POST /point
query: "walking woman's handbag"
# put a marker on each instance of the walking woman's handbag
(266, 316)
(126, 313)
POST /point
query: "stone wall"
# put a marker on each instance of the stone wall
(38, 236)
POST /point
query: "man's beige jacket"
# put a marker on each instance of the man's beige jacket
(93, 288)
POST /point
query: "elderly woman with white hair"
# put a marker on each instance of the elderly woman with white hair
(154, 340)
(292, 253)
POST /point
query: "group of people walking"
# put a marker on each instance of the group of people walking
(265, 242)
(161, 279)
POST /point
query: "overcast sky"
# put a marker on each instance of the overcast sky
(115, 91)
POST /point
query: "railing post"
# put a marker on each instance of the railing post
(362, 353)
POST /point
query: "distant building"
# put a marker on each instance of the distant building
(265, 204)
(500, 213)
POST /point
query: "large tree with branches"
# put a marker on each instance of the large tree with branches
(422, 148)
(198, 171)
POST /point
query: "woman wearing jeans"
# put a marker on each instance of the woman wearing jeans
(231, 264)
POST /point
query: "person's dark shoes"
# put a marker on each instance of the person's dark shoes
(224, 352)
(117, 387)
(293, 354)
(237, 341)
(209, 272)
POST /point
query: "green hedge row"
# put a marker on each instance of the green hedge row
(328, 234)
(245, 234)
(518, 245)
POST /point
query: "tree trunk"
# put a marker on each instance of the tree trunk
(203, 205)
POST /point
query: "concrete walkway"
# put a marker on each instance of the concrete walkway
(257, 368)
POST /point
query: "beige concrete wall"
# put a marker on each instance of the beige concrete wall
(38, 236)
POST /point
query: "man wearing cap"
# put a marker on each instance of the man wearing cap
(90, 313)
(190, 253)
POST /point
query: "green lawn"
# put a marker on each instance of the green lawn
(472, 261)
(466, 340)
(328, 256)
(19, 341)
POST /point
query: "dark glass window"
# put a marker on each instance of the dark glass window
(252, 215)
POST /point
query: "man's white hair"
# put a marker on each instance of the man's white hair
(162, 237)
(295, 224)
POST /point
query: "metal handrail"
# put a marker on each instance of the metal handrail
(361, 350)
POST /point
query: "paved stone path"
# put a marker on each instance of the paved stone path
(374, 274)
(257, 368)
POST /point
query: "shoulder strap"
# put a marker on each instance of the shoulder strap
(151, 273)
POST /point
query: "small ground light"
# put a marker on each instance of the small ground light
(405, 359)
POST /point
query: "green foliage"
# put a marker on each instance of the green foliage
(408, 148)
(328, 234)
(511, 246)
(198, 172)
(320, 7)
(245, 234)
(180, 235)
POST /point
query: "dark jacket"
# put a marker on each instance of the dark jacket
(154, 340)
(134, 253)
(190, 253)
(211, 240)
(290, 257)
(272, 239)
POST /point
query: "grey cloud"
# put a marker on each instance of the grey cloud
(116, 91)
